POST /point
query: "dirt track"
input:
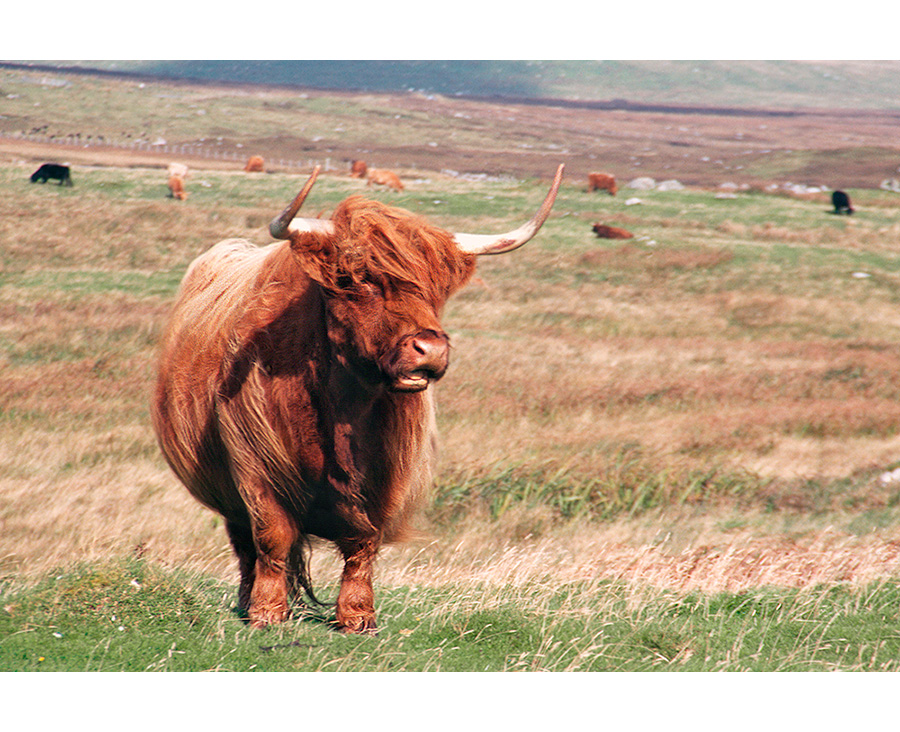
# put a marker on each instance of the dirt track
(34, 152)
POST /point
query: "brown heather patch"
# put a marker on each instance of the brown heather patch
(654, 260)
(683, 399)
(112, 235)
(87, 359)
(71, 512)
(849, 235)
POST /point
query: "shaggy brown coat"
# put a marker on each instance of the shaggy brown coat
(280, 400)
(255, 164)
(611, 232)
(602, 182)
(384, 178)
(176, 188)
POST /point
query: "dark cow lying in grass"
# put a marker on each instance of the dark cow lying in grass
(54, 171)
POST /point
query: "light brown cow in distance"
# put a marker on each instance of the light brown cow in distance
(255, 164)
(176, 188)
(358, 169)
(179, 169)
(293, 396)
(602, 182)
(385, 178)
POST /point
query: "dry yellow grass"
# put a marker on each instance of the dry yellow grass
(682, 553)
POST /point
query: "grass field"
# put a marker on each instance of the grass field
(676, 432)
(671, 453)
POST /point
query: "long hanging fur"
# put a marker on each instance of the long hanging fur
(220, 411)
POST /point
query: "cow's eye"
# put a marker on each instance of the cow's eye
(373, 288)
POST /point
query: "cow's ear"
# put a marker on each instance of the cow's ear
(317, 257)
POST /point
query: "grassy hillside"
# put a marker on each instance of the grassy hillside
(422, 133)
(782, 84)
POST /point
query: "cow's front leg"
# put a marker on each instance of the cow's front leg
(356, 600)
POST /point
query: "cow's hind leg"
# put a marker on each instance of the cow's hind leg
(242, 541)
(356, 599)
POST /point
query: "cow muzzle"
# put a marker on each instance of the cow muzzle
(419, 360)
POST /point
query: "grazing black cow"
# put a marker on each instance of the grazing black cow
(54, 171)
(841, 203)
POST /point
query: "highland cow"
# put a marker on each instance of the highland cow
(293, 393)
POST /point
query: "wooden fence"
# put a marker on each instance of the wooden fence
(193, 150)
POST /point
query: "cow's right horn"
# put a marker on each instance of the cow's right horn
(499, 243)
(282, 226)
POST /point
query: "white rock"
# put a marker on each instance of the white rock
(669, 185)
(643, 184)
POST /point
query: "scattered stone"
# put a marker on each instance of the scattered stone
(891, 476)
(670, 185)
(643, 184)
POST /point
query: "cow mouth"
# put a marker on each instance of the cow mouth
(413, 381)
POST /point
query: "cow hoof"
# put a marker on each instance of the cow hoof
(262, 618)
(359, 626)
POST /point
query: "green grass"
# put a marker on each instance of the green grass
(132, 615)
(80, 284)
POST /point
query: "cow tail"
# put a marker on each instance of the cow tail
(298, 573)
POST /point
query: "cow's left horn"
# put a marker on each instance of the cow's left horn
(282, 226)
(497, 244)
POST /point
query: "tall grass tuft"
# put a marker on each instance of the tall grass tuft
(626, 484)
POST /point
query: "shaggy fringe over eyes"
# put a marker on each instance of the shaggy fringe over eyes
(387, 246)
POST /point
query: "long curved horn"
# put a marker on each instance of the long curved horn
(282, 226)
(498, 244)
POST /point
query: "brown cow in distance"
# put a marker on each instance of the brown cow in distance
(358, 169)
(384, 178)
(292, 391)
(176, 188)
(255, 164)
(611, 232)
(602, 182)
